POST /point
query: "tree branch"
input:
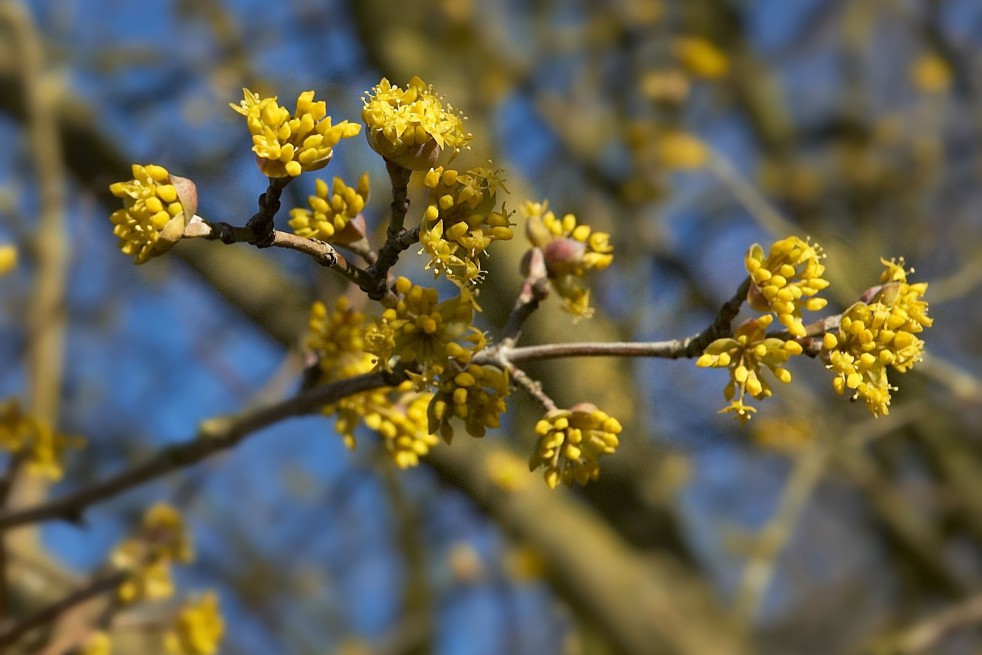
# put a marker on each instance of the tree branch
(213, 436)
(51, 613)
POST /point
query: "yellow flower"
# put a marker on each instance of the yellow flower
(785, 281)
(42, 448)
(401, 422)
(8, 258)
(331, 211)
(285, 144)
(473, 393)
(571, 443)
(198, 628)
(97, 643)
(701, 58)
(156, 208)
(876, 335)
(412, 127)
(681, 150)
(743, 355)
(460, 221)
(422, 330)
(570, 251)
(930, 74)
(147, 556)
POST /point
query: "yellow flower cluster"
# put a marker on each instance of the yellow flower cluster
(41, 447)
(473, 393)
(8, 258)
(791, 272)
(285, 144)
(876, 335)
(398, 415)
(331, 211)
(198, 628)
(411, 127)
(571, 443)
(402, 423)
(421, 330)
(147, 557)
(743, 355)
(570, 250)
(156, 208)
(460, 221)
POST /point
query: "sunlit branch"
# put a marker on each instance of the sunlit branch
(46, 615)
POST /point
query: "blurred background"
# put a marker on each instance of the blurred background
(689, 130)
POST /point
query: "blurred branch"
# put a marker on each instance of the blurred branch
(809, 468)
(214, 435)
(644, 603)
(10, 635)
(927, 635)
(45, 315)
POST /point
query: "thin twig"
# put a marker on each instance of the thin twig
(51, 613)
(688, 347)
(397, 238)
(532, 387)
(213, 436)
(535, 289)
(323, 253)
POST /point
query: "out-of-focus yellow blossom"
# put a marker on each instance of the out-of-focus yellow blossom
(931, 74)
(397, 414)
(670, 85)
(41, 447)
(743, 355)
(338, 340)
(147, 556)
(97, 643)
(156, 208)
(782, 435)
(570, 251)
(198, 628)
(571, 443)
(421, 330)
(473, 393)
(285, 144)
(701, 58)
(507, 472)
(331, 211)
(8, 258)
(786, 280)
(681, 150)
(411, 127)
(461, 222)
(876, 335)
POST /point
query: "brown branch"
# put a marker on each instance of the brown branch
(532, 387)
(323, 253)
(213, 436)
(51, 613)
(535, 289)
(397, 238)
